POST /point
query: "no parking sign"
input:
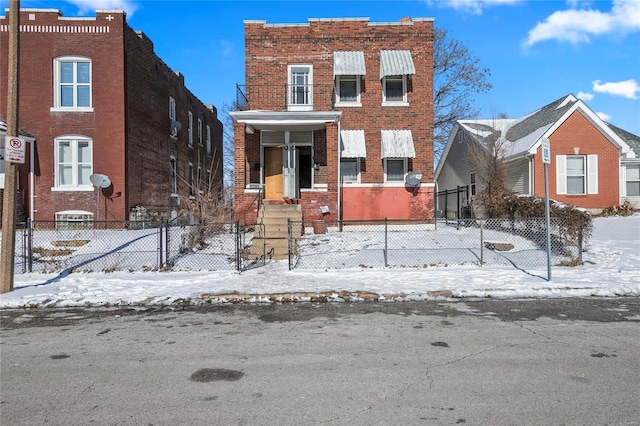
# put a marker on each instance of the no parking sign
(15, 149)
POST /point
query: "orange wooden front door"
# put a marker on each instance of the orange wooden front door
(272, 173)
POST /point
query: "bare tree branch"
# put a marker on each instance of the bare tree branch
(456, 78)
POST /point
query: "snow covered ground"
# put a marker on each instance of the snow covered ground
(611, 268)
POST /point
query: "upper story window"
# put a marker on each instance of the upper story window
(395, 68)
(348, 69)
(199, 131)
(72, 84)
(348, 90)
(473, 183)
(73, 163)
(394, 89)
(300, 92)
(190, 128)
(172, 109)
(208, 140)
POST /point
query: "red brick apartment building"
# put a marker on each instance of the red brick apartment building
(98, 101)
(337, 115)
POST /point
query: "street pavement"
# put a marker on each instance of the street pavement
(533, 362)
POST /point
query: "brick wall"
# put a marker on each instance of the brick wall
(129, 124)
(271, 48)
(578, 132)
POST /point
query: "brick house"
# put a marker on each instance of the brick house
(336, 115)
(99, 102)
(594, 165)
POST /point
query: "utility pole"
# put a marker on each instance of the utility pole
(11, 169)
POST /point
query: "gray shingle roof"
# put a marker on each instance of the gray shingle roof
(632, 140)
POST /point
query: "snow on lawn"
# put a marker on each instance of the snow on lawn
(611, 268)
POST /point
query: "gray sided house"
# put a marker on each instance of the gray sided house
(594, 165)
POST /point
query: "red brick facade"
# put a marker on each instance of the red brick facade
(578, 136)
(127, 122)
(271, 49)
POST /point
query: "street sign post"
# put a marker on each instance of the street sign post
(546, 160)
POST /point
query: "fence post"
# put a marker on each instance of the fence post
(386, 247)
(30, 245)
(238, 257)
(289, 232)
(481, 223)
(160, 244)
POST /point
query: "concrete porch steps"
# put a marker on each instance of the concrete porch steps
(272, 231)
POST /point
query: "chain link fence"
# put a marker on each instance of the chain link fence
(427, 243)
(95, 246)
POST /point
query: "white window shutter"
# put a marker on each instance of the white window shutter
(592, 174)
(561, 174)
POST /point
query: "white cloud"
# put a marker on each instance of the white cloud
(86, 6)
(603, 116)
(474, 7)
(626, 89)
(580, 25)
(585, 96)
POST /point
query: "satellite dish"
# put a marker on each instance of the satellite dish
(100, 181)
(414, 178)
(175, 127)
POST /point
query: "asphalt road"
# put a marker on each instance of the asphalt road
(570, 361)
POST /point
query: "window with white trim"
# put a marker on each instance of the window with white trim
(208, 140)
(577, 174)
(395, 169)
(72, 84)
(394, 89)
(74, 163)
(300, 93)
(472, 178)
(350, 170)
(348, 90)
(172, 109)
(173, 176)
(633, 180)
(192, 191)
(190, 128)
(199, 132)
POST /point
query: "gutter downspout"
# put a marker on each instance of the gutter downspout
(339, 211)
(32, 184)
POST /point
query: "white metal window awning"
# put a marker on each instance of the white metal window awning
(396, 62)
(397, 144)
(352, 144)
(348, 63)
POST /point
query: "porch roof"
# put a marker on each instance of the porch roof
(352, 144)
(397, 144)
(396, 62)
(277, 120)
(348, 63)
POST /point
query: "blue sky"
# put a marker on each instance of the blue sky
(537, 51)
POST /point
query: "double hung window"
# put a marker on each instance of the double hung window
(72, 84)
(74, 163)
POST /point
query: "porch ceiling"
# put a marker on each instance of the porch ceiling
(297, 120)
